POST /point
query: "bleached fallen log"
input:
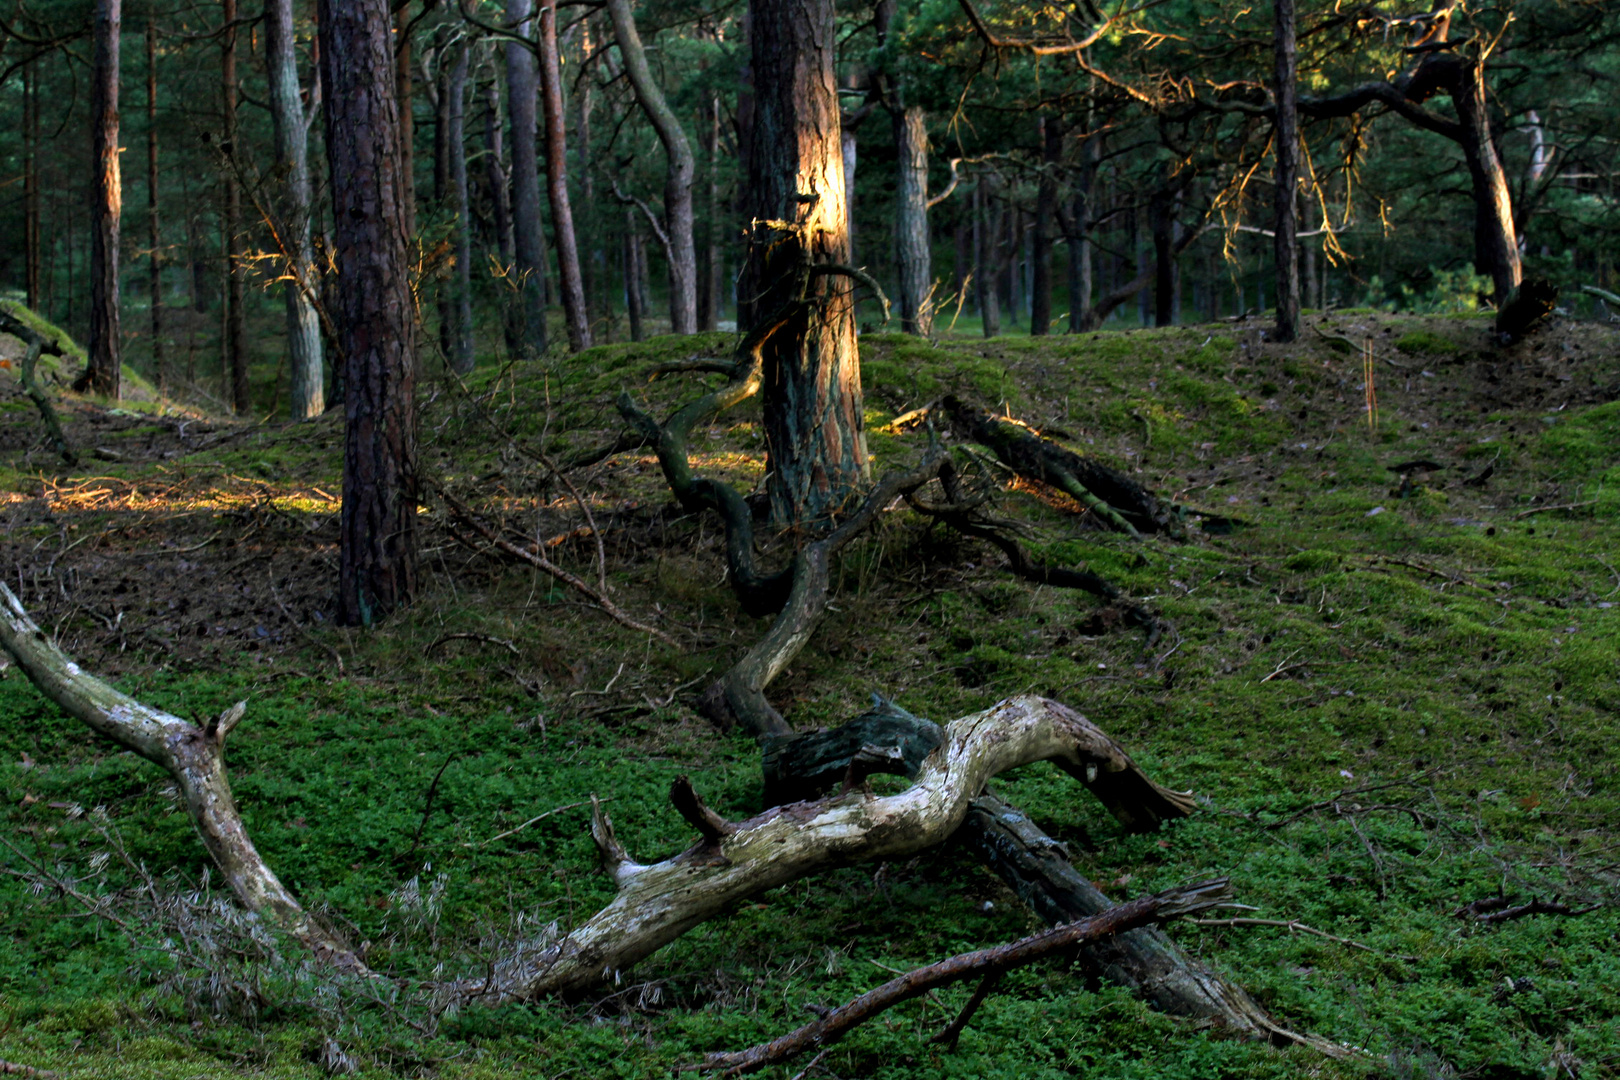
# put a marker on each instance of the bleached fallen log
(731, 861)
(194, 756)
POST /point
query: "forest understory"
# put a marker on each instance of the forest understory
(1385, 665)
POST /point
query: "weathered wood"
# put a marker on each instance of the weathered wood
(1116, 498)
(884, 739)
(1146, 961)
(193, 755)
(658, 903)
(988, 963)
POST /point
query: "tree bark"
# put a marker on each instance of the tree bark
(1040, 306)
(528, 238)
(815, 440)
(712, 284)
(307, 398)
(911, 219)
(104, 345)
(1496, 244)
(153, 232)
(635, 300)
(32, 233)
(1161, 221)
(679, 174)
(569, 282)
(377, 558)
(1285, 240)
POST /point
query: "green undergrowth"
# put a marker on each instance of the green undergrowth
(1390, 700)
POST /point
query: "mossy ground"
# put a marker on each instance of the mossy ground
(1390, 699)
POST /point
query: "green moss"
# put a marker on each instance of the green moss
(1425, 343)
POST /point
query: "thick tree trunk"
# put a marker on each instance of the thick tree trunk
(911, 220)
(850, 150)
(815, 439)
(377, 562)
(459, 308)
(104, 343)
(1496, 244)
(528, 238)
(308, 381)
(236, 345)
(570, 284)
(154, 238)
(32, 233)
(1040, 307)
(1285, 224)
(679, 174)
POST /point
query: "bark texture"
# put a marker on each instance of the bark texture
(104, 345)
(154, 239)
(236, 347)
(911, 225)
(459, 307)
(374, 323)
(815, 438)
(304, 359)
(1046, 206)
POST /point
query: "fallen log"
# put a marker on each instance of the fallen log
(1145, 961)
(1117, 499)
(658, 903)
(194, 755)
(988, 964)
(35, 343)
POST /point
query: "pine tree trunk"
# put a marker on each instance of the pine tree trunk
(1496, 246)
(816, 455)
(528, 238)
(1285, 223)
(986, 233)
(1040, 307)
(679, 174)
(102, 376)
(713, 282)
(497, 178)
(911, 226)
(405, 90)
(307, 398)
(153, 232)
(377, 562)
(635, 301)
(1161, 220)
(236, 348)
(459, 309)
(569, 283)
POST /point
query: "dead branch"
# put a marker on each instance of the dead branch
(1496, 909)
(540, 562)
(982, 963)
(658, 903)
(1120, 501)
(11, 1068)
(194, 756)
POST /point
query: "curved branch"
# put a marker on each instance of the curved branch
(950, 187)
(35, 343)
(840, 270)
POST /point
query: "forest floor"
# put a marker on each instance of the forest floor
(1392, 700)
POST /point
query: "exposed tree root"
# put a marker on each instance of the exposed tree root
(194, 756)
(737, 698)
(988, 964)
(1117, 499)
(35, 343)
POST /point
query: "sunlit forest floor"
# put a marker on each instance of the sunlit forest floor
(1393, 699)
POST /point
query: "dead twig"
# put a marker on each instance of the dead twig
(531, 821)
(1548, 509)
(1495, 909)
(1293, 926)
(511, 648)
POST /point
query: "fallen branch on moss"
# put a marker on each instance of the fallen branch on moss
(988, 964)
(35, 342)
